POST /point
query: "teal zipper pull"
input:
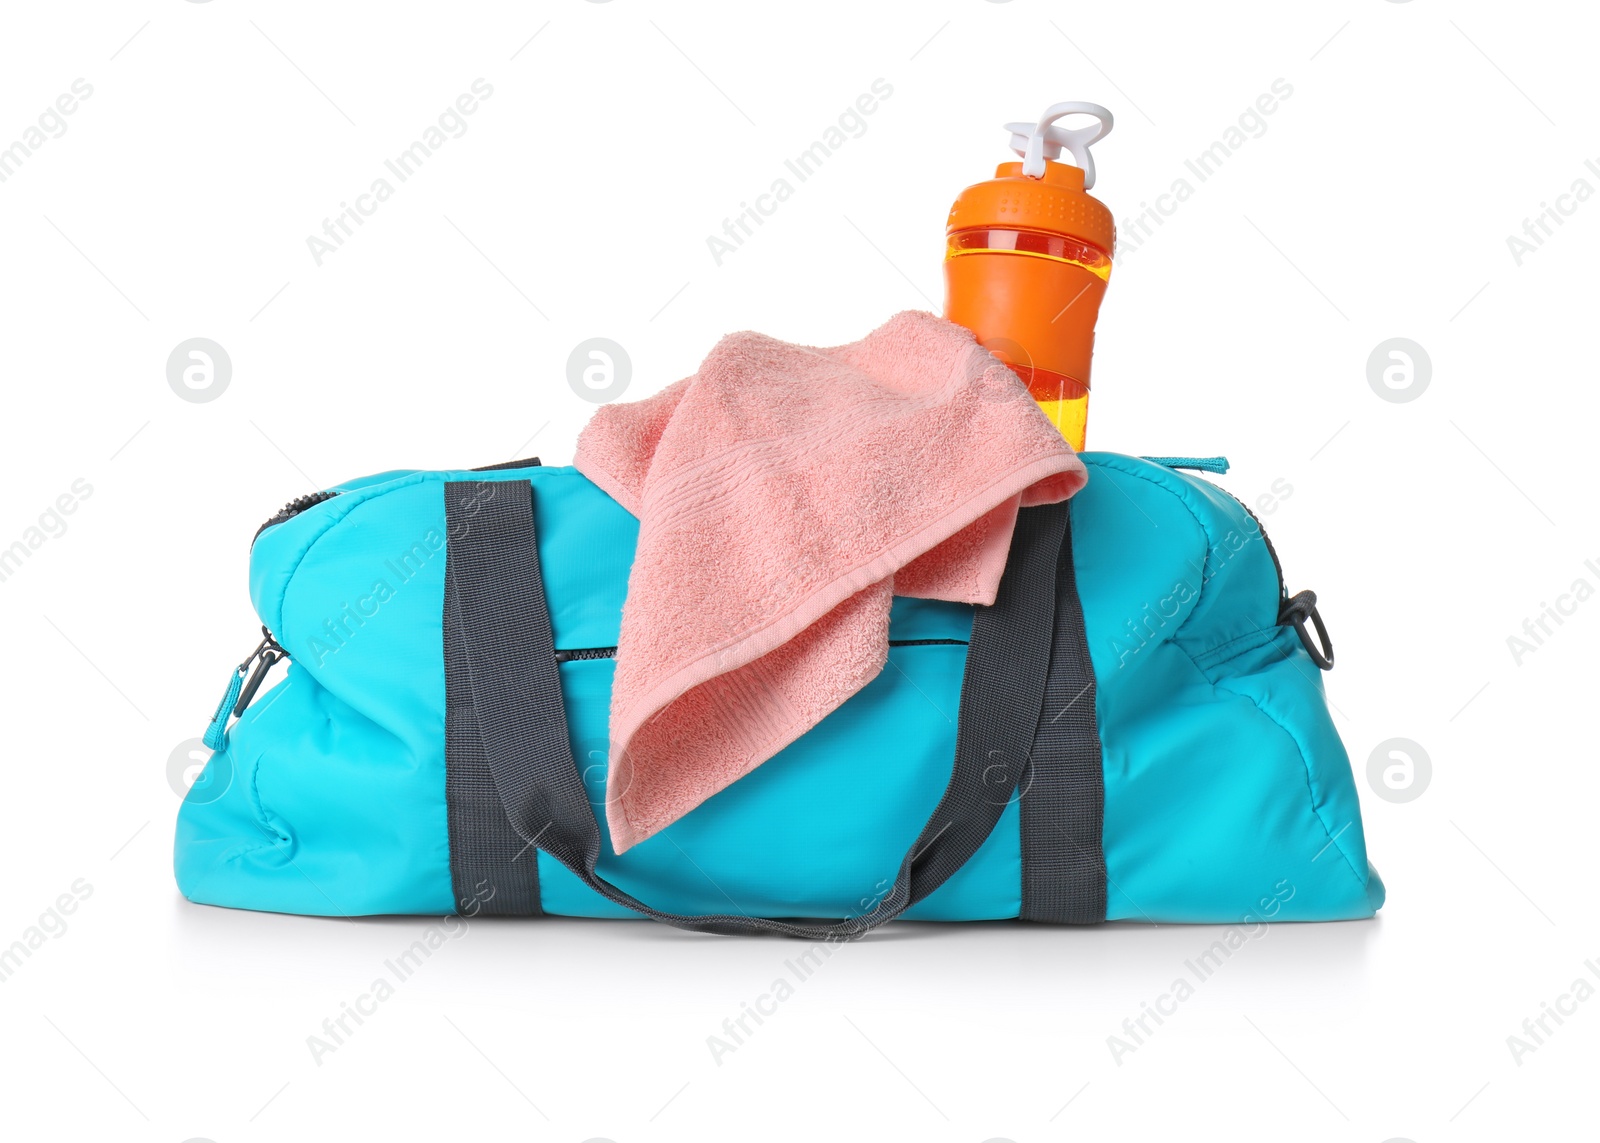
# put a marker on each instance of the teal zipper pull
(1217, 464)
(216, 735)
(242, 689)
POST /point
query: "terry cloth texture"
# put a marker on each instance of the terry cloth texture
(785, 495)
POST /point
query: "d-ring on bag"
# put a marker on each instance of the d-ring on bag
(1136, 730)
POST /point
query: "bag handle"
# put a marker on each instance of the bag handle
(504, 644)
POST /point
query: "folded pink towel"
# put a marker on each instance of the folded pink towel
(785, 494)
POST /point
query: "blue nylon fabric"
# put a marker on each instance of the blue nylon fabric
(1228, 793)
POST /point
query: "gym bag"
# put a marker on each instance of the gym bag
(1135, 730)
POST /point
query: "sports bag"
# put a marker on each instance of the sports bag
(1135, 730)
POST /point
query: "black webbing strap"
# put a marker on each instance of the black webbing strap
(492, 870)
(504, 647)
(1063, 800)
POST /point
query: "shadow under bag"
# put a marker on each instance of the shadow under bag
(1135, 730)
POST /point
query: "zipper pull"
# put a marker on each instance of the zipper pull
(1217, 464)
(247, 679)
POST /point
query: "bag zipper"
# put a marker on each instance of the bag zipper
(583, 653)
(247, 679)
(249, 675)
(267, 653)
(524, 462)
(1283, 589)
(292, 509)
(1293, 612)
(311, 499)
(580, 654)
(1219, 465)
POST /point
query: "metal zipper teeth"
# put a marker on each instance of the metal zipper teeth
(292, 509)
(1277, 565)
(1211, 464)
(300, 503)
(581, 653)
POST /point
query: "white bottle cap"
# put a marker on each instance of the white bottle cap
(1036, 142)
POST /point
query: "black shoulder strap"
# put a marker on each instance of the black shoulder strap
(1063, 791)
(499, 643)
(493, 870)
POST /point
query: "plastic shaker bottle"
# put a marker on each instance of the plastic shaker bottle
(1027, 257)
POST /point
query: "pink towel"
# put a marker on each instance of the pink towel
(785, 494)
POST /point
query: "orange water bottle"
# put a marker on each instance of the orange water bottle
(1027, 257)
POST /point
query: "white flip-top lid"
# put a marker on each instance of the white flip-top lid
(1036, 142)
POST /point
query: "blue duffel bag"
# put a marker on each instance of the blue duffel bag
(1135, 730)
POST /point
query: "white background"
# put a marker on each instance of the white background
(1376, 203)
